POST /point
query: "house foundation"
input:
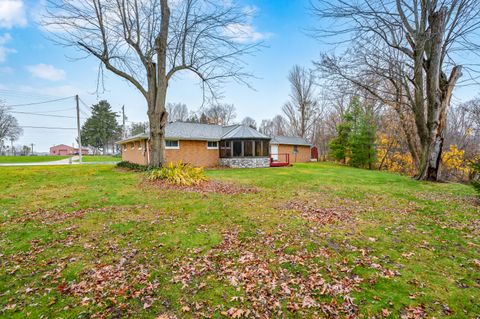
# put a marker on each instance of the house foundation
(245, 162)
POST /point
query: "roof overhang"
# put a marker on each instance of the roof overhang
(133, 139)
(246, 139)
(298, 144)
(145, 137)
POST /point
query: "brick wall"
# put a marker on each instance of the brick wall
(193, 152)
(135, 155)
(61, 150)
(302, 156)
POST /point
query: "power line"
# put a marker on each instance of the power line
(50, 127)
(87, 108)
(40, 114)
(43, 102)
(60, 110)
(26, 94)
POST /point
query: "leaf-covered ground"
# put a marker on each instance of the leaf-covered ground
(310, 241)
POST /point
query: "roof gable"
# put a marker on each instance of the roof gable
(193, 131)
(243, 132)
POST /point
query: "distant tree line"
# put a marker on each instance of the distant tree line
(10, 132)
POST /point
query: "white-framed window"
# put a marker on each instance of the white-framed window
(125, 146)
(140, 146)
(172, 144)
(132, 146)
(212, 145)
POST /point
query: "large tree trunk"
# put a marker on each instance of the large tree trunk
(431, 157)
(158, 120)
(439, 91)
(157, 114)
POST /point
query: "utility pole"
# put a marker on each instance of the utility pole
(80, 149)
(123, 119)
(31, 150)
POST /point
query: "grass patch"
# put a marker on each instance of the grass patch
(92, 240)
(31, 159)
(100, 158)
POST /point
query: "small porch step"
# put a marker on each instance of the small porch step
(276, 162)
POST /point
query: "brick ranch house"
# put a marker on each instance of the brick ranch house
(64, 150)
(210, 145)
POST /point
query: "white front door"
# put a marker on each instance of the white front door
(274, 151)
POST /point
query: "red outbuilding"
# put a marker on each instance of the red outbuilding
(65, 150)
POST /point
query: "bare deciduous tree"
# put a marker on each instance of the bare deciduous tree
(409, 51)
(248, 121)
(276, 126)
(9, 129)
(302, 109)
(463, 128)
(177, 112)
(147, 42)
(220, 114)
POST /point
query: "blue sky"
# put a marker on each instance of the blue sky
(34, 69)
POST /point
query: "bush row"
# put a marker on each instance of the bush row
(180, 174)
(132, 166)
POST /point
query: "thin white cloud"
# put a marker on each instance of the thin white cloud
(46, 72)
(12, 14)
(4, 51)
(38, 93)
(245, 33)
(63, 90)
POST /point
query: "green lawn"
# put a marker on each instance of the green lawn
(100, 158)
(30, 159)
(315, 241)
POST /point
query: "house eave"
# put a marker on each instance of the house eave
(141, 138)
(293, 144)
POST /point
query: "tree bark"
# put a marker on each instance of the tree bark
(158, 121)
(157, 94)
(439, 91)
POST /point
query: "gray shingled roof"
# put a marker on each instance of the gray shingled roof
(243, 132)
(209, 132)
(289, 140)
(193, 131)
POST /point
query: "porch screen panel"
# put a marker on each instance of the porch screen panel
(237, 148)
(266, 148)
(247, 148)
(258, 148)
(225, 149)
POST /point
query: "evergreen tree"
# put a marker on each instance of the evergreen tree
(339, 147)
(101, 129)
(193, 118)
(362, 137)
(355, 141)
